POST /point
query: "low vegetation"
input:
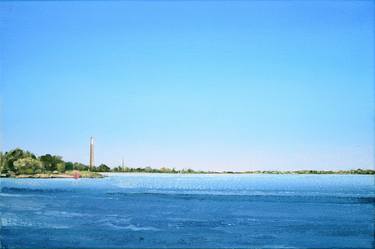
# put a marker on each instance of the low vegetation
(21, 163)
(161, 170)
(315, 172)
(190, 171)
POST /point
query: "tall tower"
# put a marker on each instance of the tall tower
(91, 153)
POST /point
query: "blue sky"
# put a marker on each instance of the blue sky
(217, 85)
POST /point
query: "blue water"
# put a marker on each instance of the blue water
(189, 211)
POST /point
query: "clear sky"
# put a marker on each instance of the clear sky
(220, 85)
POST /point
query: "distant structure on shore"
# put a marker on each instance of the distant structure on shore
(91, 153)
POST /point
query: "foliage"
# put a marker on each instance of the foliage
(2, 161)
(102, 168)
(61, 167)
(69, 166)
(191, 171)
(80, 166)
(18, 161)
(50, 162)
(12, 156)
(28, 165)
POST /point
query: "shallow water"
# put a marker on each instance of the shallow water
(189, 211)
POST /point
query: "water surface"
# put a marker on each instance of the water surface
(189, 211)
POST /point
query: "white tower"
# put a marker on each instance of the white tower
(91, 153)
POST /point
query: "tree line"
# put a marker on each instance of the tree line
(18, 161)
(161, 170)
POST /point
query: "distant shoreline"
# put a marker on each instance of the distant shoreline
(88, 174)
(18, 163)
(266, 172)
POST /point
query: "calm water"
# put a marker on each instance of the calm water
(189, 211)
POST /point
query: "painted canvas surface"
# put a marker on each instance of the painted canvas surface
(187, 124)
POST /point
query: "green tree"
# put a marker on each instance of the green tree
(14, 155)
(80, 166)
(28, 166)
(2, 161)
(69, 166)
(60, 167)
(103, 168)
(50, 162)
